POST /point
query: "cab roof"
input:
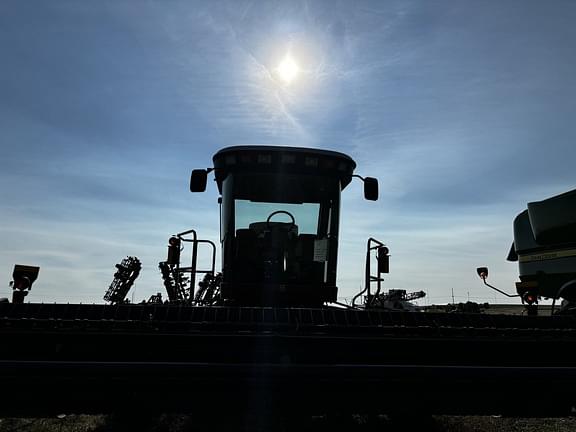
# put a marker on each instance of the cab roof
(279, 159)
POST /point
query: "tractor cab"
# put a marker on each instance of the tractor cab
(279, 222)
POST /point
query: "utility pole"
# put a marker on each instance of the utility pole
(453, 296)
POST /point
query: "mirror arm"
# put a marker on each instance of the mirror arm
(496, 289)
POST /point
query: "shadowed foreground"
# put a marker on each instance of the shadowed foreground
(92, 359)
(181, 423)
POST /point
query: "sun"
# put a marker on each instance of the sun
(288, 70)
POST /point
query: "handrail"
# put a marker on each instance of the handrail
(193, 269)
(368, 278)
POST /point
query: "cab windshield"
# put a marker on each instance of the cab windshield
(307, 202)
(305, 215)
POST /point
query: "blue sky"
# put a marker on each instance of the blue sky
(464, 110)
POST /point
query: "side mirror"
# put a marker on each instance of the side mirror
(371, 188)
(198, 180)
(482, 272)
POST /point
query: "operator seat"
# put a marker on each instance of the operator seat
(307, 270)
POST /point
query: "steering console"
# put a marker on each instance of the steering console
(292, 222)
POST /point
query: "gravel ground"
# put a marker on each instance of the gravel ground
(180, 423)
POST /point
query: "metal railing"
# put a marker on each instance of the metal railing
(193, 269)
(368, 277)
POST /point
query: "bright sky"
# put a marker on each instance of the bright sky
(463, 109)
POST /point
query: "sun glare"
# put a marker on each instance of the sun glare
(288, 69)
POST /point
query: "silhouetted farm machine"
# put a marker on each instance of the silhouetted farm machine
(268, 333)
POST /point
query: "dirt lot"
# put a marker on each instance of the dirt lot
(179, 423)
